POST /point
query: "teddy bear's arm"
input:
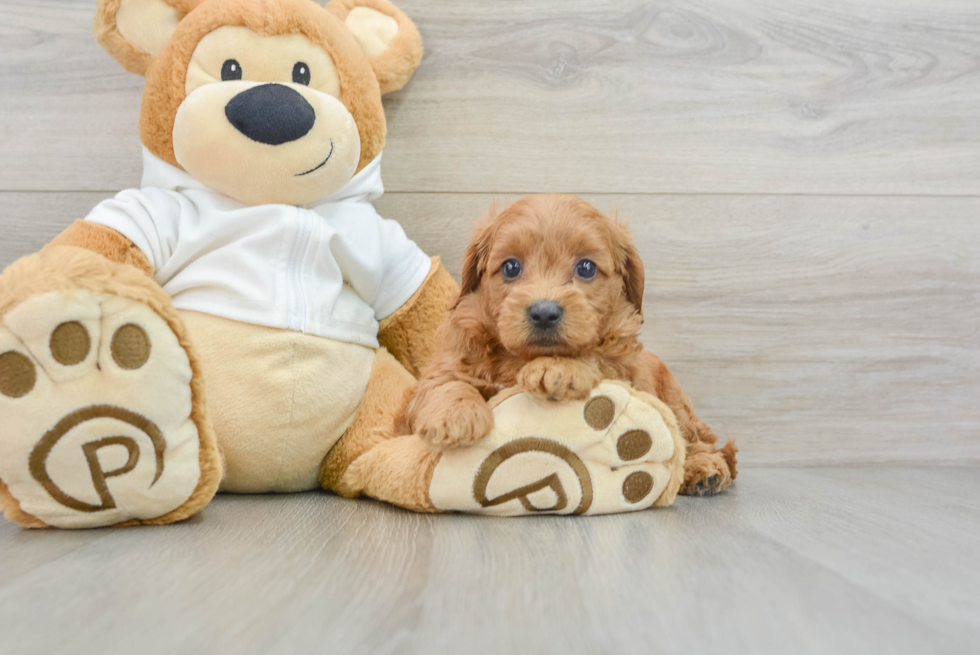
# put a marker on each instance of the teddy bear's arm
(105, 241)
(409, 333)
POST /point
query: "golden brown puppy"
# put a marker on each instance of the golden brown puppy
(551, 302)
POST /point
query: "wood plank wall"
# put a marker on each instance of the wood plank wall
(803, 180)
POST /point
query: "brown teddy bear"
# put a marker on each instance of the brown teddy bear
(246, 320)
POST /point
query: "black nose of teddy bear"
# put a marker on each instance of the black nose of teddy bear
(545, 314)
(271, 114)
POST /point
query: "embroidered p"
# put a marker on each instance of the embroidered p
(39, 456)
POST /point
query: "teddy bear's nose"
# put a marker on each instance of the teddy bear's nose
(271, 114)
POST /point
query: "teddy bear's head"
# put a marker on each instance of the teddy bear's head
(266, 101)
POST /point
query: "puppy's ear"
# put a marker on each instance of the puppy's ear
(388, 37)
(471, 268)
(135, 31)
(634, 277)
(628, 260)
(477, 254)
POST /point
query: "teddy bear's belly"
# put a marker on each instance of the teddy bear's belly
(278, 400)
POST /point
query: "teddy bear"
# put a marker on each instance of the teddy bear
(245, 321)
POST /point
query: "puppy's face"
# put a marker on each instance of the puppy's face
(554, 276)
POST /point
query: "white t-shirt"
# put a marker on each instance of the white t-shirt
(333, 268)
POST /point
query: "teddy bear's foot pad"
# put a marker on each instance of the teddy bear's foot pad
(95, 411)
(611, 453)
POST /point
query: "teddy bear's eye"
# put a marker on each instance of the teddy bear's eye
(301, 74)
(231, 70)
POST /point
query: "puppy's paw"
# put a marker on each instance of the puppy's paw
(452, 422)
(559, 379)
(708, 473)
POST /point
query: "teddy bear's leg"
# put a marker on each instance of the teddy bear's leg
(279, 400)
(618, 451)
(369, 459)
(102, 418)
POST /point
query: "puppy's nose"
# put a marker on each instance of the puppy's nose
(271, 113)
(545, 314)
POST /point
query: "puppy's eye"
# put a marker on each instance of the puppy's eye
(511, 269)
(301, 74)
(586, 269)
(231, 70)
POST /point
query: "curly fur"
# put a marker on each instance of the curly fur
(488, 343)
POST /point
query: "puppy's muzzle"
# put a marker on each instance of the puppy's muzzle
(271, 113)
(545, 315)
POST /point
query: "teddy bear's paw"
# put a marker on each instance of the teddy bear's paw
(614, 452)
(96, 422)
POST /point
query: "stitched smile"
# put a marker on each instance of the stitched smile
(322, 164)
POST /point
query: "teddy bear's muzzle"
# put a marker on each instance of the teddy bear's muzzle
(272, 114)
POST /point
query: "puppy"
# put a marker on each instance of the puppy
(551, 302)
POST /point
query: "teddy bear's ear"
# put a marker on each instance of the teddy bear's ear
(135, 31)
(388, 37)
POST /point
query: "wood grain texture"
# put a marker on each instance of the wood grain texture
(788, 561)
(811, 330)
(711, 96)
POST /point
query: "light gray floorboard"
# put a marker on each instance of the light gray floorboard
(718, 96)
(835, 560)
(811, 330)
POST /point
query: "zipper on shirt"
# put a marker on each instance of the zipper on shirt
(294, 272)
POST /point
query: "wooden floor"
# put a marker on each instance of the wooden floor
(809, 560)
(803, 179)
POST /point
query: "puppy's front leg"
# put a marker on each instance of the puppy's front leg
(559, 378)
(450, 414)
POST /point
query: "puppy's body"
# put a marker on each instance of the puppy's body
(550, 302)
